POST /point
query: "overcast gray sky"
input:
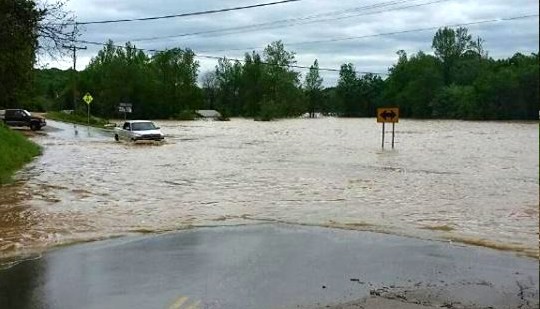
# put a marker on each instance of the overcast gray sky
(333, 20)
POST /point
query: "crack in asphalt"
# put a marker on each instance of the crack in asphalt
(430, 295)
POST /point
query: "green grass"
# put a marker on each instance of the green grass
(15, 151)
(76, 118)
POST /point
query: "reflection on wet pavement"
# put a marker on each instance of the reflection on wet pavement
(467, 181)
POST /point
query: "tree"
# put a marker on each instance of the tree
(115, 75)
(450, 45)
(371, 87)
(252, 85)
(56, 27)
(508, 88)
(413, 84)
(358, 96)
(176, 74)
(26, 27)
(19, 20)
(282, 82)
(228, 76)
(210, 89)
(347, 90)
(313, 87)
(477, 47)
(460, 81)
(455, 101)
(402, 56)
(161, 86)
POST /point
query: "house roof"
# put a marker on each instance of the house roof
(137, 121)
(208, 113)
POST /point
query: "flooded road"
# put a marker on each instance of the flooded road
(473, 182)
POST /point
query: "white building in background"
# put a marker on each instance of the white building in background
(208, 114)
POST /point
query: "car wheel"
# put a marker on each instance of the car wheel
(116, 138)
(34, 127)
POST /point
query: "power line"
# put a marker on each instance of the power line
(383, 34)
(329, 40)
(297, 21)
(289, 66)
(228, 58)
(278, 22)
(186, 14)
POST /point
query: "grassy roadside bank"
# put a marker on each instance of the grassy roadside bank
(15, 151)
(78, 119)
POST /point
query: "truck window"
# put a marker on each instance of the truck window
(15, 114)
(126, 126)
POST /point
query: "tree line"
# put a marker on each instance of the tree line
(458, 81)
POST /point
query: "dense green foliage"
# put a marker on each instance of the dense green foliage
(462, 82)
(18, 44)
(48, 89)
(355, 96)
(262, 87)
(161, 86)
(15, 151)
(459, 81)
(29, 27)
(313, 89)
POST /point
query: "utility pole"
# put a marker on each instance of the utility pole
(74, 48)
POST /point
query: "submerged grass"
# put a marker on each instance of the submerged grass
(15, 151)
(442, 228)
(519, 249)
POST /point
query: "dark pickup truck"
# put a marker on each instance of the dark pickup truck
(22, 118)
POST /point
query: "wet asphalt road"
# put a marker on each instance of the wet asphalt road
(269, 266)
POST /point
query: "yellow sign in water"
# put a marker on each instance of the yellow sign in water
(388, 114)
(88, 98)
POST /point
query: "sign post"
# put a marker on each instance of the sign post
(393, 133)
(383, 130)
(88, 99)
(388, 115)
(125, 108)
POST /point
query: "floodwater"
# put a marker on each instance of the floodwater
(471, 182)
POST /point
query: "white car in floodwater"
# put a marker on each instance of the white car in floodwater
(138, 130)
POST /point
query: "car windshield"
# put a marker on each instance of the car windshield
(27, 113)
(142, 126)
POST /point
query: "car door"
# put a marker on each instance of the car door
(21, 118)
(126, 131)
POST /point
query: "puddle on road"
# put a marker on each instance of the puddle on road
(326, 172)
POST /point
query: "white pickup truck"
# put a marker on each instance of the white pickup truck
(138, 130)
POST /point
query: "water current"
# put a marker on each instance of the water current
(470, 182)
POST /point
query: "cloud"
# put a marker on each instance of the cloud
(344, 18)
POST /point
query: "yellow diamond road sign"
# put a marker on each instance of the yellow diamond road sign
(88, 98)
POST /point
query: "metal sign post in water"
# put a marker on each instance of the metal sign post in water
(388, 115)
(88, 99)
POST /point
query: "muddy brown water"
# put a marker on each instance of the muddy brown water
(470, 182)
